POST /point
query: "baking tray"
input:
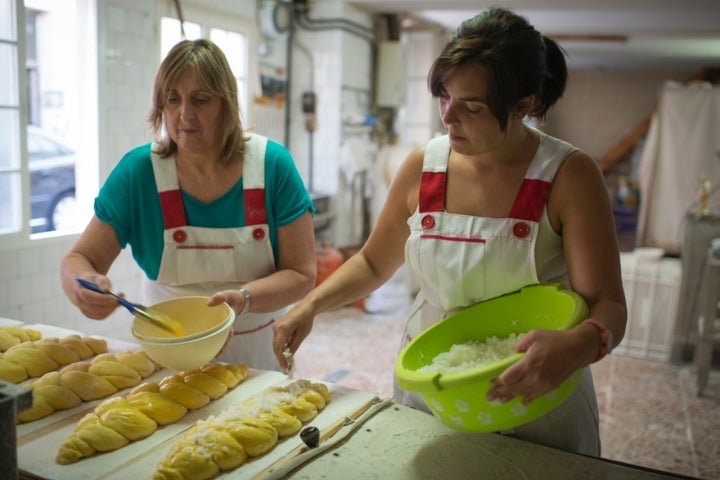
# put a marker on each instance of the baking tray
(38, 443)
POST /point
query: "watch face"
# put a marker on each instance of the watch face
(281, 17)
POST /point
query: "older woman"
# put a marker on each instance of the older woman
(207, 209)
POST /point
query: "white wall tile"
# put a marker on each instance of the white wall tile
(9, 265)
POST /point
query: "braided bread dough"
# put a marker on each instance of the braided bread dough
(84, 381)
(247, 430)
(11, 335)
(31, 359)
(117, 421)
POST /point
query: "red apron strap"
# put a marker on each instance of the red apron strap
(172, 208)
(255, 206)
(531, 200)
(173, 211)
(432, 191)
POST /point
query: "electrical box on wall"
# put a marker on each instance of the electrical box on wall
(391, 74)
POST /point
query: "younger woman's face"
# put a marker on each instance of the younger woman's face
(472, 128)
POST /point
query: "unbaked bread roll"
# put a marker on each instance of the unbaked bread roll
(84, 381)
(31, 359)
(11, 335)
(249, 429)
(117, 421)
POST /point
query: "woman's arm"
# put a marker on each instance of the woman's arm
(373, 265)
(295, 275)
(90, 258)
(580, 210)
(590, 244)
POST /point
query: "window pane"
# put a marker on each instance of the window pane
(9, 140)
(234, 45)
(10, 202)
(7, 20)
(8, 75)
(10, 179)
(171, 33)
(10, 175)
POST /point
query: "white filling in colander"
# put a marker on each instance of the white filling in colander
(472, 354)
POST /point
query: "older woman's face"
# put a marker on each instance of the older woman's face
(193, 116)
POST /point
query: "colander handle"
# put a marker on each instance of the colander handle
(414, 381)
(420, 382)
(446, 382)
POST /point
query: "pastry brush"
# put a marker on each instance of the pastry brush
(141, 311)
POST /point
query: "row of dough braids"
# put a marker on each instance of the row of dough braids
(31, 359)
(11, 335)
(85, 381)
(118, 421)
(246, 430)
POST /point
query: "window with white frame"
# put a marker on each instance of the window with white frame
(11, 186)
(44, 115)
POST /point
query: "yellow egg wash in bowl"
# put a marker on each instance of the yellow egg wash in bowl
(205, 331)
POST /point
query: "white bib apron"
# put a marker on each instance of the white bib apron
(202, 261)
(450, 255)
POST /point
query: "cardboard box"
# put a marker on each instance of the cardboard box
(652, 289)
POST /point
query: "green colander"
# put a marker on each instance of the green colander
(458, 399)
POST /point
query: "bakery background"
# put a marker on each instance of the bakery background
(342, 83)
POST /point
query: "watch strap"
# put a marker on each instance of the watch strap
(245, 294)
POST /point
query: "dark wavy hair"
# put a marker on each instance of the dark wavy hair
(211, 67)
(520, 62)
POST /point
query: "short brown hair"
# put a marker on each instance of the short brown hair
(519, 60)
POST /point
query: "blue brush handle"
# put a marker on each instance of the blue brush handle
(91, 286)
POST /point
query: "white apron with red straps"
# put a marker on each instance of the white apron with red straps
(202, 261)
(461, 260)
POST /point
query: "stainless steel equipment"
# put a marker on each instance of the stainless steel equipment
(13, 400)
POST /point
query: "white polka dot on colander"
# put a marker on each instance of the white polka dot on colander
(462, 406)
(551, 395)
(436, 405)
(519, 410)
(457, 420)
(484, 418)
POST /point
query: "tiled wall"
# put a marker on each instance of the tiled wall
(30, 289)
(339, 71)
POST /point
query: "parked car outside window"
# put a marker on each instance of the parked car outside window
(52, 182)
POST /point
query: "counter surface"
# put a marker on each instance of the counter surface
(361, 437)
(401, 443)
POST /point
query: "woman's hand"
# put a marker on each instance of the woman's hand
(550, 358)
(96, 306)
(289, 332)
(234, 298)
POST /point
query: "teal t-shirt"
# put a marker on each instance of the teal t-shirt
(128, 201)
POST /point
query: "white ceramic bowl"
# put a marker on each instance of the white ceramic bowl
(205, 332)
